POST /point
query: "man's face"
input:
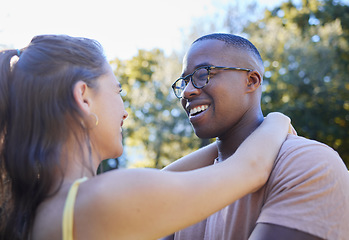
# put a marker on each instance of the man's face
(218, 108)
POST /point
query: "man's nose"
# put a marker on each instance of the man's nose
(190, 90)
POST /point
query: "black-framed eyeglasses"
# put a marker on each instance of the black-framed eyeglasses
(199, 78)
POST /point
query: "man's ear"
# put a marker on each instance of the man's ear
(254, 80)
(81, 96)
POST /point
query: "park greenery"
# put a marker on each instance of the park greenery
(305, 49)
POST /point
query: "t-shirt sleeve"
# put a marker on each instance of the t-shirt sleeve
(308, 190)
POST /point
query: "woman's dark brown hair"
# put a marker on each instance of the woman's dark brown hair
(37, 116)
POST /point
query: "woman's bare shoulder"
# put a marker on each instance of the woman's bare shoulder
(103, 201)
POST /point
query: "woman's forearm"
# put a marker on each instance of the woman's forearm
(201, 158)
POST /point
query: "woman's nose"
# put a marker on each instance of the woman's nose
(125, 115)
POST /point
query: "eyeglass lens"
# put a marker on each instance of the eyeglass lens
(200, 77)
(199, 80)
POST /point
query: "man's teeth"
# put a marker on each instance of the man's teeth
(198, 109)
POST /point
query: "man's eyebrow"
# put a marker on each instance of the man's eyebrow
(204, 64)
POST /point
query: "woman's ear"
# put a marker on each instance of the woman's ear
(81, 96)
(254, 80)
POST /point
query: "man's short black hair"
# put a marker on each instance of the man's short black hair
(233, 41)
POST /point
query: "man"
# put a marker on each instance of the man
(307, 194)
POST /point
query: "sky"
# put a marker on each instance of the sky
(121, 26)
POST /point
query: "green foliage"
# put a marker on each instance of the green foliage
(306, 54)
(156, 120)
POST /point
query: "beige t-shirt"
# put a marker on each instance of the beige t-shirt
(308, 190)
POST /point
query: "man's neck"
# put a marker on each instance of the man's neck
(228, 143)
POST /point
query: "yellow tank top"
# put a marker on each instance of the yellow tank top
(68, 212)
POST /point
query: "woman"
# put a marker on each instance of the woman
(61, 114)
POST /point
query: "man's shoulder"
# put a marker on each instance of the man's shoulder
(293, 142)
(297, 148)
(311, 179)
(301, 158)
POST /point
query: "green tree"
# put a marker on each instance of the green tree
(156, 122)
(306, 55)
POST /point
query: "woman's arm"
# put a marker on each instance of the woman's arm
(149, 204)
(203, 157)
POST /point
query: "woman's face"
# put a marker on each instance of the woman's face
(109, 108)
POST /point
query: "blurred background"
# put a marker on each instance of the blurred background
(304, 45)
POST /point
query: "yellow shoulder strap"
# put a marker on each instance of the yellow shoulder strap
(68, 212)
(291, 130)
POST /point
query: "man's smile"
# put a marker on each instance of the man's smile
(196, 110)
